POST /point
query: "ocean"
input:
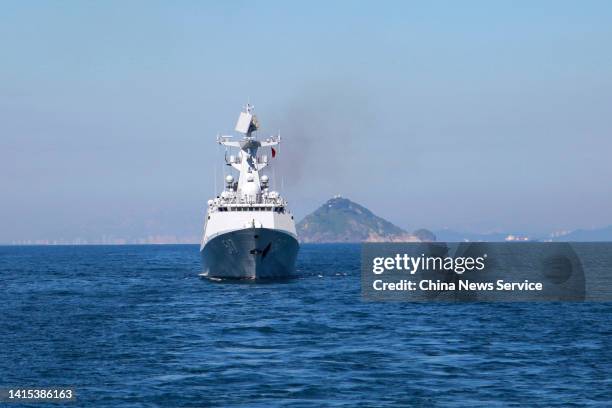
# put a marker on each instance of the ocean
(135, 326)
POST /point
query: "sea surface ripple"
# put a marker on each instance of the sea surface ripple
(135, 326)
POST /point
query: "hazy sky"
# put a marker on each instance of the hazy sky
(477, 116)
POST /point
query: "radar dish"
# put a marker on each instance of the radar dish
(247, 123)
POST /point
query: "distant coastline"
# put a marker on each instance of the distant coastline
(340, 220)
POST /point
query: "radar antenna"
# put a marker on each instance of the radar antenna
(247, 121)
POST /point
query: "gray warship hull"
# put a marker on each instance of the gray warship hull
(250, 253)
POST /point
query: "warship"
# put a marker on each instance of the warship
(249, 232)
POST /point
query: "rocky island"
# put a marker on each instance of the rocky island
(342, 220)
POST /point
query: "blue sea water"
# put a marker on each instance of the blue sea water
(135, 326)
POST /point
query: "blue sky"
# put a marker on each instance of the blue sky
(477, 116)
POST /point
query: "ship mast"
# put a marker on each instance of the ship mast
(250, 185)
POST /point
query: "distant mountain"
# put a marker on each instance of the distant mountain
(580, 235)
(424, 235)
(342, 220)
(447, 235)
(583, 235)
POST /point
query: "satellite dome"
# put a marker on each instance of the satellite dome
(264, 179)
(229, 178)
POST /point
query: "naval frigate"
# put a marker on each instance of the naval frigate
(249, 233)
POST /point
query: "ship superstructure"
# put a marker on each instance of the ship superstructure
(249, 232)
